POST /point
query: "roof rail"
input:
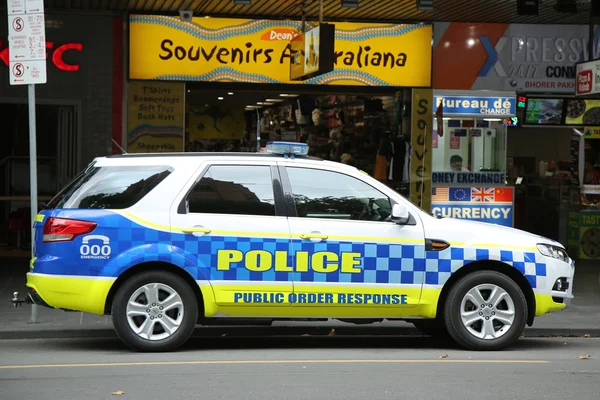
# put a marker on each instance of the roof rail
(207, 154)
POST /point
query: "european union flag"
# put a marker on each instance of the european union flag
(460, 194)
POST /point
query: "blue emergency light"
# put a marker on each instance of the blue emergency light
(290, 149)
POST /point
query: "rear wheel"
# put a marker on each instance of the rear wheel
(485, 310)
(154, 311)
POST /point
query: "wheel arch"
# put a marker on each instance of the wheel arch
(491, 265)
(155, 266)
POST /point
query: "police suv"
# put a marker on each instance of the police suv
(163, 242)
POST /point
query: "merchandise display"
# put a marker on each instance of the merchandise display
(358, 130)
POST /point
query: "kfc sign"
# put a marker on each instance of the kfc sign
(54, 54)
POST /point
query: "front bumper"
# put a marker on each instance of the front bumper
(548, 298)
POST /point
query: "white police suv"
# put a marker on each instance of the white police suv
(163, 242)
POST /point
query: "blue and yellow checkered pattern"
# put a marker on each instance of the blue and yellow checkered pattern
(440, 265)
(381, 263)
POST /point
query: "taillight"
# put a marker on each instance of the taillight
(64, 230)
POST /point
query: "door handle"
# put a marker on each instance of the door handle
(196, 229)
(313, 236)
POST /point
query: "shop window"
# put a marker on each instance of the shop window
(232, 189)
(110, 187)
(324, 194)
(470, 145)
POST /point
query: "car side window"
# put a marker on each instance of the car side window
(233, 189)
(327, 194)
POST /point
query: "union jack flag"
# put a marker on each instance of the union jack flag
(482, 195)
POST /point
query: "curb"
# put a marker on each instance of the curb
(289, 332)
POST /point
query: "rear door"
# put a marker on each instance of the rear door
(230, 224)
(350, 258)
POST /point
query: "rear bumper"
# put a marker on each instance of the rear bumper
(77, 293)
(37, 299)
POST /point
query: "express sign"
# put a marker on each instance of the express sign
(54, 54)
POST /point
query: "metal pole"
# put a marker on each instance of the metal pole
(591, 36)
(32, 179)
(184, 100)
(303, 18)
(320, 11)
(257, 131)
(423, 179)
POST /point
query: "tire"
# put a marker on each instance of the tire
(485, 334)
(172, 325)
(431, 327)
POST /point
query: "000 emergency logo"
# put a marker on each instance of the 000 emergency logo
(98, 251)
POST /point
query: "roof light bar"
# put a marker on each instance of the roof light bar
(290, 149)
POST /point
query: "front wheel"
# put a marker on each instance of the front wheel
(485, 310)
(154, 311)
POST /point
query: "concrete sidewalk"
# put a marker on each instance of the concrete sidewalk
(581, 318)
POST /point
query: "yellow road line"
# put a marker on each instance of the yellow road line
(234, 362)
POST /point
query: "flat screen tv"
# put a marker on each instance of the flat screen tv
(544, 111)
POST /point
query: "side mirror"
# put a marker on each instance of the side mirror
(400, 214)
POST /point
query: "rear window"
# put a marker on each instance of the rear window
(109, 187)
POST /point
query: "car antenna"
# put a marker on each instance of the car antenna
(117, 144)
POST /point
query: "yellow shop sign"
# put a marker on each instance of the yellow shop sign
(259, 51)
(591, 132)
(155, 117)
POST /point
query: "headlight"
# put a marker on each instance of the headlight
(553, 251)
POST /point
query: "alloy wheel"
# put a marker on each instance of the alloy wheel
(155, 311)
(487, 311)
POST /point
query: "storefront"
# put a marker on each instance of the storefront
(583, 113)
(537, 64)
(541, 157)
(78, 112)
(215, 84)
(583, 240)
(469, 156)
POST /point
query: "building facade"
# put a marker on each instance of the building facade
(79, 111)
(537, 143)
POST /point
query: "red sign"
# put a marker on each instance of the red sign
(584, 81)
(454, 142)
(54, 54)
(280, 34)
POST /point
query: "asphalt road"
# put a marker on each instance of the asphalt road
(299, 368)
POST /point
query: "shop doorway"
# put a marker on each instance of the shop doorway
(57, 157)
(362, 128)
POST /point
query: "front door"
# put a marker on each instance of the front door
(230, 226)
(350, 258)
